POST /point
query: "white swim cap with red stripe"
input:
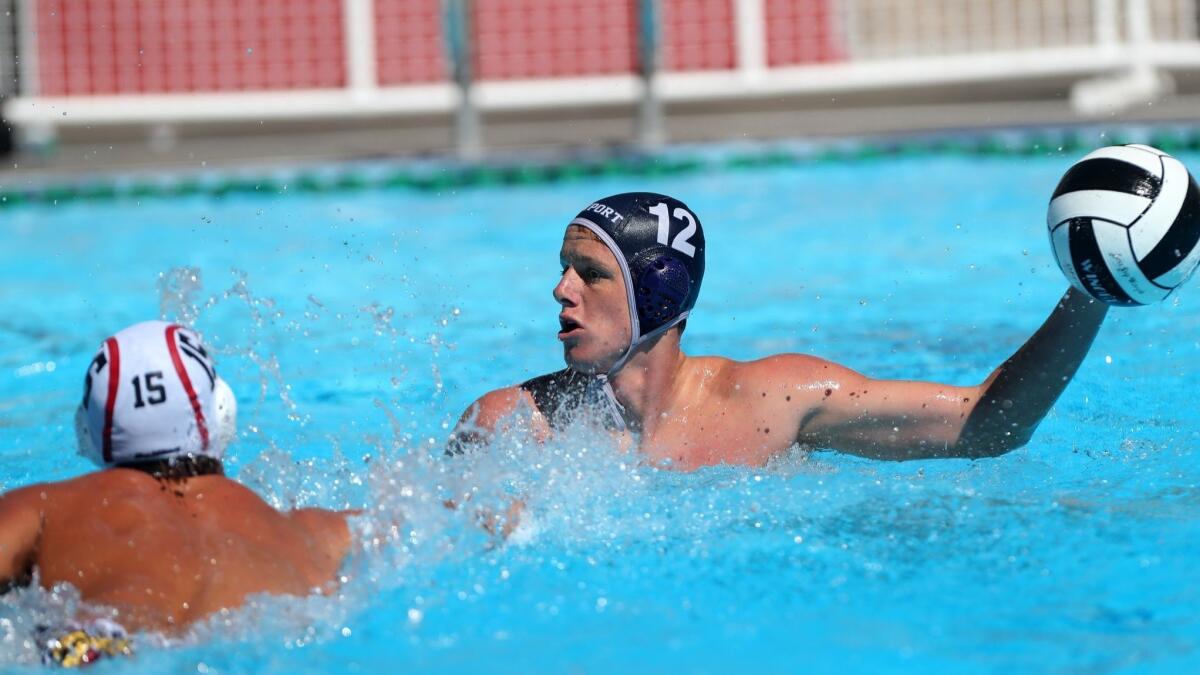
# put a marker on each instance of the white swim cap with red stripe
(152, 393)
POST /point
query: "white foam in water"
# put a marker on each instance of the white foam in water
(23, 610)
(567, 485)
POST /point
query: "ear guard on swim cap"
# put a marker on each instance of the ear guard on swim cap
(659, 245)
(660, 288)
(83, 437)
(151, 393)
(226, 405)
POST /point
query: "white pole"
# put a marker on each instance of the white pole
(750, 21)
(1137, 82)
(37, 136)
(1137, 15)
(468, 128)
(650, 109)
(27, 47)
(359, 19)
(8, 66)
(1187, 31)
(1107, 27)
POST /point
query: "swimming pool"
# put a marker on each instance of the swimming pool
(356, 325)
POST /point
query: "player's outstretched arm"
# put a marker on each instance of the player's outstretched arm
(881, 419)
(890, 419)
(20, 531)
(1020, 392)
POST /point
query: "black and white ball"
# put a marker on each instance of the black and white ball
(1124, 223)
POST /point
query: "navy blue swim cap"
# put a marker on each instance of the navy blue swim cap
(659, 246)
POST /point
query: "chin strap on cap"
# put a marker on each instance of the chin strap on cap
(616, 411)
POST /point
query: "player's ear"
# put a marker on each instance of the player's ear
(225, 407)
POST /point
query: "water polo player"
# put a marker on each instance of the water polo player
(632, 269)
(158, 538)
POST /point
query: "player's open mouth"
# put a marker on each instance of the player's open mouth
(567, 327)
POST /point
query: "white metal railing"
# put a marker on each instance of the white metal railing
(1117, 50)
(1176, 20)
(906, 28)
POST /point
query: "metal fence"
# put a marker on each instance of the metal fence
(96, 62)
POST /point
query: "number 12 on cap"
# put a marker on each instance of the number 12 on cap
(680, 243)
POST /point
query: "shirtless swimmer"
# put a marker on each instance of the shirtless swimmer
(159, 535)
(632, 266)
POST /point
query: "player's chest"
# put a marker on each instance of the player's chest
(730, 434)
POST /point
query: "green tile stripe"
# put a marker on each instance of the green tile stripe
(425, 178)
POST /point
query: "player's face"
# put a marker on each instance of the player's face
(594, 320)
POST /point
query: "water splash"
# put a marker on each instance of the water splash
(177, 290)
(26, 612)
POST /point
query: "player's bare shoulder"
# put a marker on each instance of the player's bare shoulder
(24, 504)
(495, 405)
(329, 531)
(23, 496)
(490, 414)
(789, 378)
(106, 486)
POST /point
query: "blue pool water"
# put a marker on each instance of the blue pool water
(355, 328)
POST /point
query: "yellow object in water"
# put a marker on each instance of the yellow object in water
(79, 648)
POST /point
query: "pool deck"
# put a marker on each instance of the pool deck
(963, 108)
